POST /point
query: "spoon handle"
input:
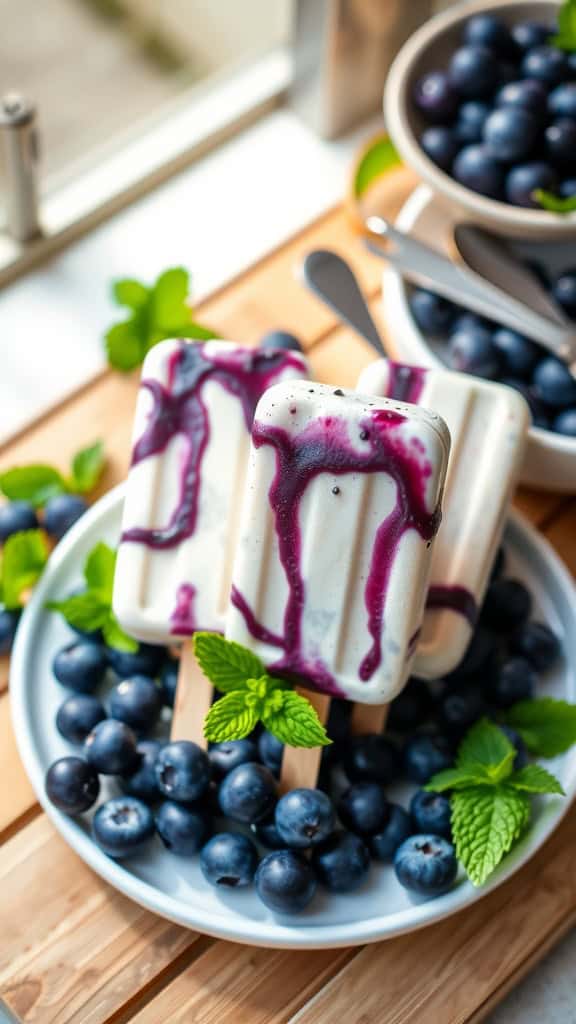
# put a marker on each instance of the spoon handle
(332, 279)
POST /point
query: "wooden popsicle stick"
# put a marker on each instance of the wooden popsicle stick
(300, 765)
(194, 694)
(368, 718)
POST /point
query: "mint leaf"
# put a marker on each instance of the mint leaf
(99, 571)
(230, 718)
(293, 720)
(125, 347)
(565, 39)
(87, 466)
(547, 726)
(85, 611)
(195, 331)
(24, 556)
(377, 159)
(169, 295)
(485, 747)
(535, 779)
(486, 822)
(36, 484)
(457, 778)
(130, 293)
(226, 664)
(554, 204)
(115, 636)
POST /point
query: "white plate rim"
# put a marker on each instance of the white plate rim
(270, 933)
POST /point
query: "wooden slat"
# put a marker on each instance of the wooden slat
(73, 950)
(233, 984)
(17, 793)
(445, 973)
(562, 534)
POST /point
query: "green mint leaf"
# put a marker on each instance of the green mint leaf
(294, 721)
(87, 466)
(566, 36)
(487, 749)
(535, 779)
(547, 726)
(195, 331)
(486, 822)
(24, 556)
(230, 718)
(457, 778)
(379, 157)
(130, 293)
(85, 611)
(125, 348)
(36, 484)
(226, 664)
(169, 300)
(554, 204)
(99, 571)
(115, 636)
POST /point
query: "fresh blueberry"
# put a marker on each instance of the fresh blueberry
(183, 771)
(8, 625)
(476, 169)
(515, 680)
(519, 355)
(430, 812)
(111, 748)
(15, 517)
(229, 754)
(440, 144)
(229, 860)
(522, 181)
(507, 605)
(560, 141)
(137, 702)
(72, 785)
(431, 312)
(122, 826)
(285, 882)
(146, 661)
(480, 653)
(364, 808)
(473, 351)
(424, 756)
(528, 34)
(338, 726)
(466, 320)
(281, 339)
(169, 681)
(370, 758)
(426, 864)
(536, 642)
(411, 708)
(509, 134)
(460, 706)
(270, 751)
(304, 817)
(266, 833)
(564, 423)
(488, 30)
(562, 100)
(521, 759)
(183, 830)
(248, 793)
(546, 63)
(78, 715)
(142, 781)
(470, 121)
(473, 71)
(342, 863)
(396, 829)
(435, 98)
(564, 291)
(567, 189)
(528, 94)
(554, 384)
(80, 666)
(61, 512)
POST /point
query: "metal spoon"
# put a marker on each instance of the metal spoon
(332, 279)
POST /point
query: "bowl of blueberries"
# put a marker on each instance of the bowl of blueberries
(481, 103)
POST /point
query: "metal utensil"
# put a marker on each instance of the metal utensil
(518, 300)
(332, 279)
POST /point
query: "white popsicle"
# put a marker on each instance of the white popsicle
(488, 424)
(342, 504)
(186, 481)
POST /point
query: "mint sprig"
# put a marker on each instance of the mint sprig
(156, 312)
(490, 802)
(565, 38)
(251, 695)
(24, 556)
(92, 609)
(553, 203)
(546, 726)
(37, 483)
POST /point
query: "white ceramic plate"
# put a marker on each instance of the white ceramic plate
(173, 887)
(550, 459)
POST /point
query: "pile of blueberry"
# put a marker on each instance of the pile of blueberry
(60, 513)
(502, 115)
(486, 349)
(223, 804)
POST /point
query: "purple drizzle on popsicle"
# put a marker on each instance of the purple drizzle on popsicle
(455, 598)
(324, 446)
(179, 409)
(405, 382)
(182, 619)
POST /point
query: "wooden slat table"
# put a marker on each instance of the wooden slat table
(74, 950)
